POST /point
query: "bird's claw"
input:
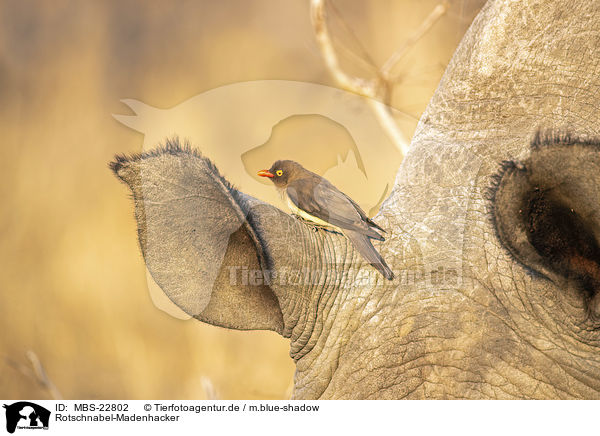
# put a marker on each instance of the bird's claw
(315, 227)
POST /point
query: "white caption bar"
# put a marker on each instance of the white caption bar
(33, 417)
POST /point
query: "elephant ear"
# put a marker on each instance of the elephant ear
(181, 202)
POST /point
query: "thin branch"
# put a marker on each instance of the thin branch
(351, 54)
(37, 373)
(379, 88)
(356, 84)
(364, 54)
(209, 389)
(427, 24)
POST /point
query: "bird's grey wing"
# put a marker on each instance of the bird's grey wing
(323, 200)
(363, 245)
(364, 215)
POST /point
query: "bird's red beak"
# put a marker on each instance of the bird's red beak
(265, 173)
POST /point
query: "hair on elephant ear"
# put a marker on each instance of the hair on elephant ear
(546, 213)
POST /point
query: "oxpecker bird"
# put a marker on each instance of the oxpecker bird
(315, 199)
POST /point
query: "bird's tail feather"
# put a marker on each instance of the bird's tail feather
(374, 224)
(372, 234)
(362, 243)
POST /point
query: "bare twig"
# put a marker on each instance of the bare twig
(431, 19)
(379, 88)
(37, 373)
(209, 389)
(363, 54)
(361, 86)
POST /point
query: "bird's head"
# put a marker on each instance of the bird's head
(283, 172)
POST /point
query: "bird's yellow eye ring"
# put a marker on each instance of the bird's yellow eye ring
(279, 173)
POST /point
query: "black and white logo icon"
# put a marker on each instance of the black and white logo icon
(26, 415)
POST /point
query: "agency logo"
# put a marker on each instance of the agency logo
(26, 415)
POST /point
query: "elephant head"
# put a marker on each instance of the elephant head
(493, 234)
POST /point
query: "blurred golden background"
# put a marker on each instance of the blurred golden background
(73, 287)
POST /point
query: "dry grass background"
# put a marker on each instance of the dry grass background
(73, 285)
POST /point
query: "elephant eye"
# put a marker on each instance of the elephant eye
(279, 173)
(546, 212)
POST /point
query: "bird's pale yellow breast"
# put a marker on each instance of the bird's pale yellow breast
(297, 211)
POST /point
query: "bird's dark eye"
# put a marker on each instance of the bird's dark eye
(279, 173)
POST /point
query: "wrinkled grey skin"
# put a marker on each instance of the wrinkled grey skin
(491, 321)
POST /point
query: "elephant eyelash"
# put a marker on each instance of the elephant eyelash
(552, 138)
(492, 189)
(542, 138)
(490, 197)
